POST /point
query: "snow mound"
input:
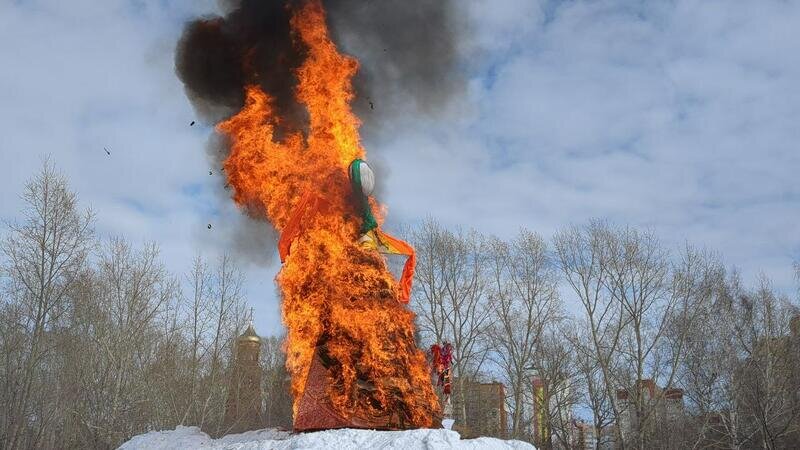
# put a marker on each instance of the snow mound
(424, 439)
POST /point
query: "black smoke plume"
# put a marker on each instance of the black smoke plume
(408, 51)
(252, 44)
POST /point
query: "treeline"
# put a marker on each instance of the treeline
(99, 342)
(597, 312)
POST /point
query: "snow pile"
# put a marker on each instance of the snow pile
(425, 439)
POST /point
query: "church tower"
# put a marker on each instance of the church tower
(243, 407)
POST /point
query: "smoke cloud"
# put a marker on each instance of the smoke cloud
(249, 236)
(408, 49)
(252, 44)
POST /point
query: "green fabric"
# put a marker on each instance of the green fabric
(369, 222)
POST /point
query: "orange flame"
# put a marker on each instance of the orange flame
(334, 292)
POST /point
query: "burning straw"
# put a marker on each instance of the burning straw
(291, 147)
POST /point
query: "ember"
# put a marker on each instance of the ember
(350, 344)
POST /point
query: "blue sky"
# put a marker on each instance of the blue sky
(680, 116)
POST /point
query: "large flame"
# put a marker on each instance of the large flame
(335, 293)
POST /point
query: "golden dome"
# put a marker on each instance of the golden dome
(249, 335)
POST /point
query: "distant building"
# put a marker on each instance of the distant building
(771, 376)
(583, 436)
(648, 408)
(551, 420)
(484, 405)
(605, 437)
(540, 423)
(243, 407)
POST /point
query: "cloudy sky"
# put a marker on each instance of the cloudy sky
(679, 116)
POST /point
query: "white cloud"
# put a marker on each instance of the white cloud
(678, 116)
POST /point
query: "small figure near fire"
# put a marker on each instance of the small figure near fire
(441, 359)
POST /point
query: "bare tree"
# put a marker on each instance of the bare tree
(767, 379)
(582, 255)
(133, 291)
(276, 384)
(197, 326)
(660, 302)
(524, 302)
(637, 270)
(229, 315)
(559, 370)
(450, 298)
(98, 346)
(640, 307)
(43, 257)
(595, 392)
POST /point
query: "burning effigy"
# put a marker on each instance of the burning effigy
(350, 345)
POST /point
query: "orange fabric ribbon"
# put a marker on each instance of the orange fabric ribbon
(312, 203)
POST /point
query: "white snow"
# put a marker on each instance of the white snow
(424, 439)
